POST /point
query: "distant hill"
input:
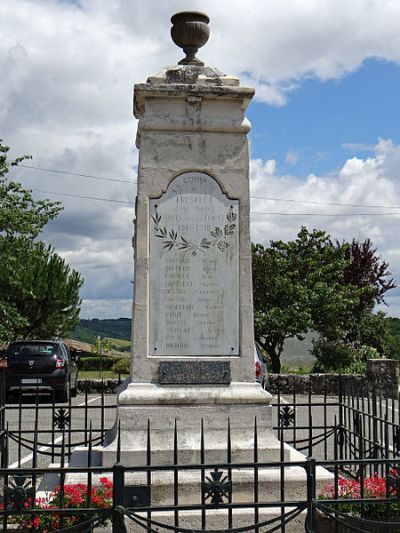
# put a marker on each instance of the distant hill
(296, 353)
(118, 329)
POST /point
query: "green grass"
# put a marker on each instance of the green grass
(293, 370)
(120, 344)
(95, 374)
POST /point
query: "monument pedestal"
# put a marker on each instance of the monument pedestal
(156, 408)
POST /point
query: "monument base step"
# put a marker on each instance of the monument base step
(217, 520)
(144, 407)
(270, 480)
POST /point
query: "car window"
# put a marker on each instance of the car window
(65, 352)
(32, 349)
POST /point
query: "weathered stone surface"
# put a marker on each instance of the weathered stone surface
(199, 128)
(195, 373)
(194, 269)
(384, 375)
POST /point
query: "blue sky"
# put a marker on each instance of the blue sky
(322, 118)
(325, 118)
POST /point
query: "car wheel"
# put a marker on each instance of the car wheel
(63, 395)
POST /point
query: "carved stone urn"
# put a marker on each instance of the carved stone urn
(190, 32)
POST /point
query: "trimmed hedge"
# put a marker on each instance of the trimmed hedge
(123, 366)
(97, 363)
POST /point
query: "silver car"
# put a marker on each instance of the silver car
(260, 367)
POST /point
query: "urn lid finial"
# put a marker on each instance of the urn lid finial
(190, 32)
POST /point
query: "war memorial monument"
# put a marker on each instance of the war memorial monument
(192, 372)
(193, 341)
(192, 422)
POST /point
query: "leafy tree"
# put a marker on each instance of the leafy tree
(370, 329)
(313, 283)
(297, 286)
(341, 356)
(43, 289)
(39, 293)
(367, 271)
(10, 320)
(20, 214)
(280, 301)
(393, 338)
(101, 346)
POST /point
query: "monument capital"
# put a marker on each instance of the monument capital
(190, 32)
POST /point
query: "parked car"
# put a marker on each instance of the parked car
(260, 367)
(40, 366)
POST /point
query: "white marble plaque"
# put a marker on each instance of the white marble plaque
(194, 269)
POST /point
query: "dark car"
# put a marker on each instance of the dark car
(40, 366)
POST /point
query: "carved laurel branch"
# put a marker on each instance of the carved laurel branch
(217, 237)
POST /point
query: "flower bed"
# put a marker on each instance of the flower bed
(73, 497)
(357, 512)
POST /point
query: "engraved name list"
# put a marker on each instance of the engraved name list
(194, 269)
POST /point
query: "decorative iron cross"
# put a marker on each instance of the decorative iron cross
(62, 419)
(19, 493)
(286, 416)
(216, 487)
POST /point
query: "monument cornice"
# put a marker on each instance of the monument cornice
(143, 91)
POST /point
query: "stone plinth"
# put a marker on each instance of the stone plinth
(160, 407)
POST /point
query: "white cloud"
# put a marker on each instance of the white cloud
(116, 308)
(373, 181)
(66, 98)
(358, 147)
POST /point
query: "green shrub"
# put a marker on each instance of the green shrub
(343, 357)
(97, 363)
(122, 366)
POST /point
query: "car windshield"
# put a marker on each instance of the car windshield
(33, 349)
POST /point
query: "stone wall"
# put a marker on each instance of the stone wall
(382, 376)
(97, 385)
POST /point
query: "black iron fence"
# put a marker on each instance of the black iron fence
(36, 423)
(355, 437)
(366, 422)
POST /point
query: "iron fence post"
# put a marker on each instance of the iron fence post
(118, 522)
(375, 422)
(310, 471)
(341, 441)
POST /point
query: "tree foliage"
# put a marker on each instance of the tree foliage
(20, 214)
(313, 283)
(39, 293)
(341, 356)
(367, 271)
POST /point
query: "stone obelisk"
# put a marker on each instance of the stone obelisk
(193, 343)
